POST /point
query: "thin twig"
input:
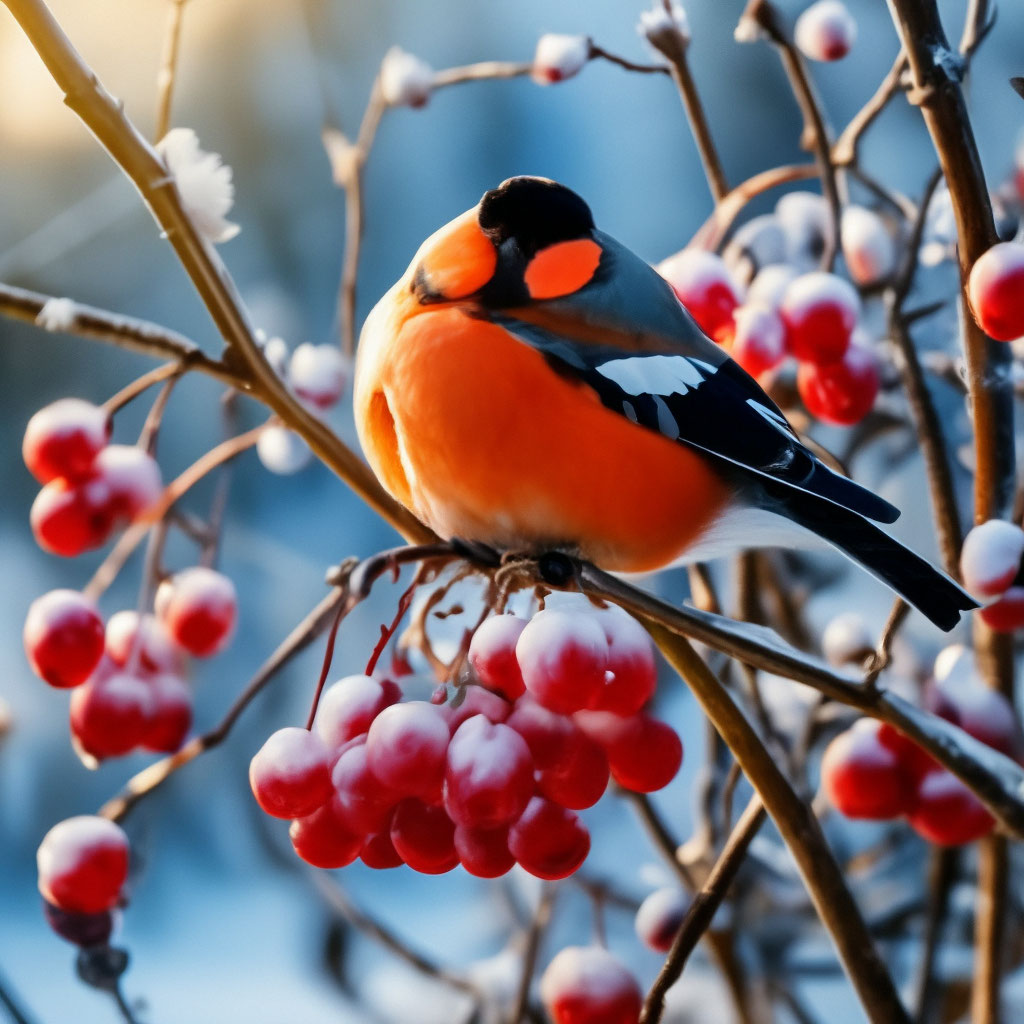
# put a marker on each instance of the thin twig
(140, 385)
(168, 68)
(531, 951)
(942, 876)
(845, 150)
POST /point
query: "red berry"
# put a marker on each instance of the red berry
(322, 839)
(365, 802)
(991, 557)
(142, 643)
(110, 715)
(488, 780)
(171, 714)
(644, 753)
(549, 841)
(659, 917)
(64, 438)
(69, 518)
(563, 658)
(703, 284)
(947, 812)
(424, 837)
(63, 637)
(551, 737)
(759, 344)
(820, 312)
(867, 246)
(916, 762)
(379, 851)
(825, 31)
(290, 774)
(1006, 614)
(842, 393)
(484, 852)
(198, 608)
(633, 671)
(589, 985)
(985, 714)
(865, 778)
(349, 706)
(477, 701)
(132, 478)
(580, 781)
(83, 864)
(406, 747)
(995, 290)
(492, 653)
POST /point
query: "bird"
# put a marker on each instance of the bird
(532, 385)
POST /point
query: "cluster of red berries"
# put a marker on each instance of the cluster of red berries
(90, 487)
(873, 771)
(128, 677)
(83, 865)
(992, 568)
(808, 316)
(493, 781)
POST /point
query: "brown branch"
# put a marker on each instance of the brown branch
(168, 68)
(140, 385)
(531, 952)
(703, 908)
(845, 150)
(941, 878)
(484, 70)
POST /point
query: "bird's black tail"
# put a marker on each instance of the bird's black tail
(918, 582)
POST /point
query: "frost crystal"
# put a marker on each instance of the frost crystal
(203, 181)
(57, 315)
(405, 80)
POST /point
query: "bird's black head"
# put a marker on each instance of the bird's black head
(534, 213)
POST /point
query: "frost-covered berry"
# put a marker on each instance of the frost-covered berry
(198, 608)
(488, 778)
(703, 284)
(559, 57)
(553, 738)
(424, 837)
(864, 778)
(477, 701)
(349, 706)
(322, 838)
(170, 716)
(69, 518)
(868, 247)
(64, 438)
(317, 374)
(770, 284)
(365, 803)
(947, 812)
(133, 479)
(995, 290)
(631, 673)
(1007, 614)
(549, 841)
(142, 642)
(290, 774)
(589, 985)
(484, 852)
(644, 754)
(991, 557)
(825, 31)
(843, 392)
(406, 747)
(405, 80)
(83, 864)
(282, 451)
(63, 637)
(110, 714)
(760, 242)
(563, 657)
(805, 219)
(492, 653)
(759, 344)
(659, 917)
(820, 312)
(846, 639)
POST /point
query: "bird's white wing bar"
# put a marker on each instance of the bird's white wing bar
(655, 374)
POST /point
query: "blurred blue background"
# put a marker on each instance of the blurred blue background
(222, 928)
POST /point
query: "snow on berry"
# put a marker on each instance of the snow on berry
(990, 558)
(83, 864)
(820, 312)
(133, 479)
(665, 27)
(143, 643)
(995, 290)
(947, 812)
(825, 31)
(405, 80)
(488, 777)
(69, 518)
(170, 716)
(659, 917)
(290, 774)
(846, 639)
(631, 673)
(64, 438)
(348, 707)
(322, 838)
(549, 841)
(759, 344)
(703, 284)
(111, 714)
(317, 374)
(492, 653)
(282, 451)
(484, 852)
(1007, 614)
(63, 637)
(590, 985)
(805, 219)
(843, 392)
(198, 608)
(865, 778)
(563, 658)
(424, 837)
(868, 247)
(559, 57)
(476, 701)
(406, 747)
(770, 284)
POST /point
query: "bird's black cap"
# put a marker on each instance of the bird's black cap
(535, 213)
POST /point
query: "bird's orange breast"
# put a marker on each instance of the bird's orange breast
(474, 431)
